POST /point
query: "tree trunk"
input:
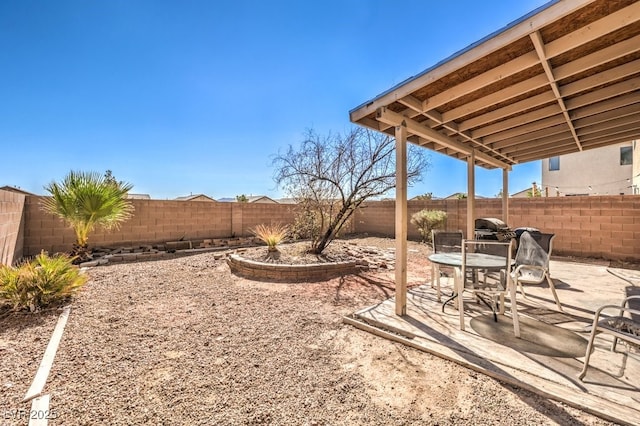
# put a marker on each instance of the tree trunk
(333, 228)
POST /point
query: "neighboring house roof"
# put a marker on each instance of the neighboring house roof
(195, 197)
(138, 196)
(455, 196)
(287, 201)
(261, 199)
(14, 189)
(418, 197)
(251, 199)
(521, 194)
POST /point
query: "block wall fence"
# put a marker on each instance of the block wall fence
(154, 221)
(600, 226)
(591, 226)
(11, 226)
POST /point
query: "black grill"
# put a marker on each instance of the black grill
(491, 228)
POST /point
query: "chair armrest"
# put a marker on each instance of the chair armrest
(620, 309)
(625, 301)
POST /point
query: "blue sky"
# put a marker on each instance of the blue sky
(185, 96)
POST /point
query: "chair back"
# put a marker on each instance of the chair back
(507, 249)
(545, 241)
(532, 252)
(504, 249)
(446, 241)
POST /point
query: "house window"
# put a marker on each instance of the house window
(554, 163)
(626, 156)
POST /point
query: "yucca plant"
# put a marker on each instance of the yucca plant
(271, 235)
(86, 200)
(40, 282)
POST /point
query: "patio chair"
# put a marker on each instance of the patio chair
(496, 280)
(443, 242)
(532, 262)
(622, 327)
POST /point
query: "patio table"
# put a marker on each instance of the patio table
(474, 261)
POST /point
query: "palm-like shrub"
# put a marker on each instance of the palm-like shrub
(86, 200)
(271, 235)
(37, 283)
(427, 220)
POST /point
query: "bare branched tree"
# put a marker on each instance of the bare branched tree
(331, 176)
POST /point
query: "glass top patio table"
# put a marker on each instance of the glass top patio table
(474, 260)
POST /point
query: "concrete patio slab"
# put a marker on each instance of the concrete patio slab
(550, 353)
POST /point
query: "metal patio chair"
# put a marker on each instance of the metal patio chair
(620, 326)
(532, 262)
(488, 283)
(443, 242)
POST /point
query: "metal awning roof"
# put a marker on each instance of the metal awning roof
(562, 79)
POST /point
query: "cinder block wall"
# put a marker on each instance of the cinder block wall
(154, 221)
(598, 226)
(247, 215)
(11, 226)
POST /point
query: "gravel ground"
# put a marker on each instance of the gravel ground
(184, 342)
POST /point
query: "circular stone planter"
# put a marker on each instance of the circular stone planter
(262, 271)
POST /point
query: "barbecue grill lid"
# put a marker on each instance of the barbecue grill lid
(491, 223)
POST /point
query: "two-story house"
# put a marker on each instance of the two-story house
(610, 170)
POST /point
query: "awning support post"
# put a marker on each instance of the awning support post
(471, 195)
(505, 196)
(401, 219)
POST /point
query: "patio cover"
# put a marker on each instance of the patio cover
(562, 79)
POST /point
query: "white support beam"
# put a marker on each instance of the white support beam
(434, 118)
(486, 47)
(505, 196)
(471, 195)
(599, 95)
(575, 39)
(598, 58)
(526, 129)
(401, 219)
(506, 111)
(509, 92)
(500, 72)
(387, 116)
(538, 43)
(594, 30)
(604, 106)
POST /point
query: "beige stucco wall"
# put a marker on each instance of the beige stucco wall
(599, 168)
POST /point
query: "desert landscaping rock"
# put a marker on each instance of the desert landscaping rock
(182, 341)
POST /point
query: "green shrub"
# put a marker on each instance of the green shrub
(427, 220)
(40, 282)
(271, 235)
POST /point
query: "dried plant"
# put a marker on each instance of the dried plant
(271, 235)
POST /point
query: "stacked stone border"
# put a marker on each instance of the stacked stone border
(262, 271)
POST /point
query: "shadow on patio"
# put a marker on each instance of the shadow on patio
(550, 353)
